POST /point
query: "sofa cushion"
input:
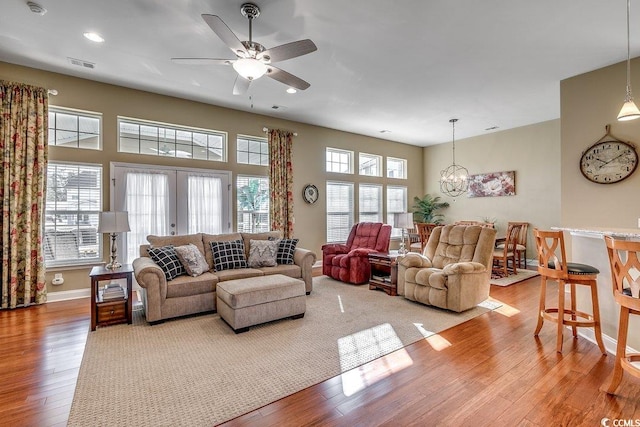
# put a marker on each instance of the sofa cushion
(291, 270)
(238, 273)
(262, 253)
(167, 259)
(286, 248)
(192, 259)
(228, 255)
(208, 238)
(185, 286)
(267, 235)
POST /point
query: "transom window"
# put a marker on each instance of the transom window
(370, 164)
(252, 150)
(396, 203)
(73, 203)
(160, 139)
(339, 211)
(74, 128)
(396, 168)
(252, 194)
(340, 161)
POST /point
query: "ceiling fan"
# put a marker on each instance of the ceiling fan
(253, 60)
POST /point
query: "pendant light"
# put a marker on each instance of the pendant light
(629, 110)
(454, 179)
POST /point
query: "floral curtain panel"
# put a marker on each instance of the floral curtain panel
(281, 181)
(23, 172)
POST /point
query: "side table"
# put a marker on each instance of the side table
(384, 272)
(104, 313)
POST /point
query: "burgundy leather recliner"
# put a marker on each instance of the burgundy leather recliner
(349, 262)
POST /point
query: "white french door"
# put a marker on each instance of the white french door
(168, 201)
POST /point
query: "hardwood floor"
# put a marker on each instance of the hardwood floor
(487, 371)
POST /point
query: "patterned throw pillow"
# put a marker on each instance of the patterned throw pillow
(228, 255)
(262, 253)
(286, 247)
(167, 259)
(192, 259)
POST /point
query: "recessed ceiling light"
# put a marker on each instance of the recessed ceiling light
(385, 131)
(94, 37)
(36, 8)
(492, 128)
(291, 90)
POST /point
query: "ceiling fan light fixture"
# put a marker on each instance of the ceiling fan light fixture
(291, 90)
(250, 68)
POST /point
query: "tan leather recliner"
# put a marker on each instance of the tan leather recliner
(454, 270)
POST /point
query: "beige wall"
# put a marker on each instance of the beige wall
(589, 102)
(308, 151)
(533, 152)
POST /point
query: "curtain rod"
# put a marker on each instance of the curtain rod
(266, 129)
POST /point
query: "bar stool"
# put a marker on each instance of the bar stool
(622, 273)
(557, 269)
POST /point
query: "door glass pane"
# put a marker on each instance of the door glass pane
(204, 204)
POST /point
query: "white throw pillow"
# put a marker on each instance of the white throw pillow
(192, 260)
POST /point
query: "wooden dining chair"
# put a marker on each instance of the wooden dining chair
(625, 265)
(508, 251)
(424, 231)
(521, 245)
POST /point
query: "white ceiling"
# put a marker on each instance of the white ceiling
(406, 66)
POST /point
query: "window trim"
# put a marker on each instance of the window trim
(79, 263)
(78, 112)
(192, 129)
(405, 171)
(379, 161)
(252, 138)
(338, 151)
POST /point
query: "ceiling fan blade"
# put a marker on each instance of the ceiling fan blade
(203, 61)
(241, 85)
(225, 34)
(290, 50)
(286, 78)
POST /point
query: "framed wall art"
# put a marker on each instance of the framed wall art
(493, 184)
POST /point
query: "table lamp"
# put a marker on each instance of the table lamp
(403, 220)
(113, 223)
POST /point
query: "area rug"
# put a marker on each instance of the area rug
(195, 371)
(514, 278)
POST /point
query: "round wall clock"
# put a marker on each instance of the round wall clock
(607, 162)
(310, 193)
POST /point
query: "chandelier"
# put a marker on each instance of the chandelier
(454, 179)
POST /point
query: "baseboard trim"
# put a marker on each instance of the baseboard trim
(610, 344)
(68, 295)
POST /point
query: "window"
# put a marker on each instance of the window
(253, 204)
(74, 128)
(252, 151)
(159, 139)
(166, 201)
(370, 165)
(339, 211)
(370, 203)
(74, 201)
(396, 168)
(396, 202)
(340, 161)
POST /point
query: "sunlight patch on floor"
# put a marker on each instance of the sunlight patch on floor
(507, 310)
(357, 349)
(340, 303)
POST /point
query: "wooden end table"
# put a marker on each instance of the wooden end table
(104, 313)
(384, 272)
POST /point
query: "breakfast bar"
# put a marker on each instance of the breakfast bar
(588, 247)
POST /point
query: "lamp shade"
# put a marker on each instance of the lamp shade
(403, 220)
(113, 222)
(629, 111)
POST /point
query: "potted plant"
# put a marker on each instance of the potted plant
(425, 209)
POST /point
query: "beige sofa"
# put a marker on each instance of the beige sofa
(186, 295)
(454, 270)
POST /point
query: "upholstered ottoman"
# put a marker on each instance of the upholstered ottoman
(247, 302)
